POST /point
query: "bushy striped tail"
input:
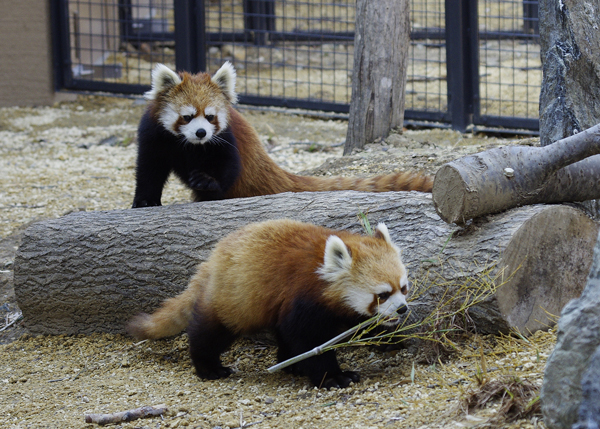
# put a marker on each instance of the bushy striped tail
(389, 182)
(174, 314)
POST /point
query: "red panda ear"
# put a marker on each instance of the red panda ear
(163, 78)
(224, 78)
(337, 259)
(381, 231)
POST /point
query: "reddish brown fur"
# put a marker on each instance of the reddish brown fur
(254, 275)
(262, 176)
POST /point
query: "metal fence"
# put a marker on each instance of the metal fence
(471, 62)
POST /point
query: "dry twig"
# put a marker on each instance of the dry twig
(126, 416)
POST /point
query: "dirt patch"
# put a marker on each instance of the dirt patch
(81, 156)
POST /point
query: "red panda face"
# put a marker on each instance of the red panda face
(194, 107)
(368, 277)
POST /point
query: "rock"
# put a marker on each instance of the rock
(578, 338)
(570, 51)
(589, 412)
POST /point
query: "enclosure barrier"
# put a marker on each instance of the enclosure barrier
(471, 62)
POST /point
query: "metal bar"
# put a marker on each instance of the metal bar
(511, 122)
(125, 20)
(200, 37)
(61, 62)
(119, 88)
(186, 35)
(293, 103)
(458, 63)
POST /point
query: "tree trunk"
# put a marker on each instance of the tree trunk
(381, 43)
(511, 176)
(92, 271)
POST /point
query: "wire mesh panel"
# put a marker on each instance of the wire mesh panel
(426, 86)
(299, 53)
(117, 42)
(294, 53)
(509, 60)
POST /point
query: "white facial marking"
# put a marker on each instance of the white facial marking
(390, 305)
(210, 111)
(193, 131)
(359, 300)
(222, 118)
(404, 282)
(168, 117)
(188, 110)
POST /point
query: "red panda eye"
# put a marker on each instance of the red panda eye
(383, 296)
(187, 118)
(210, 118)
(404, 290)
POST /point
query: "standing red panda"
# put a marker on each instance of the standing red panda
(190, 128)
(305, 282)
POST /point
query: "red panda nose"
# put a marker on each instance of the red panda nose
(201, 133)
(402, 309)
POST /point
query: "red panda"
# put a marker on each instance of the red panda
(305, 282)
(190, 128)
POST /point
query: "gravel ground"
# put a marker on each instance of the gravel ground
(81, 156)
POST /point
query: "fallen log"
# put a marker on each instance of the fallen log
(91, 271)
(512, 176)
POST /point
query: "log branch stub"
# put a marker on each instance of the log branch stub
(92, 271)
(507, 177)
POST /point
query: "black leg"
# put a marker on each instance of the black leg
(208, 339)
(304, 328)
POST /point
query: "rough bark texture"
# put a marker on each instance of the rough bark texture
(91, 271)
(578, 339)
(380, 59)
(480, 184)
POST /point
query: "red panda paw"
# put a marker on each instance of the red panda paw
(341, 380)
(201, 181)
(214, 373)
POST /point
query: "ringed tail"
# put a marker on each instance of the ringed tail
(174, 314)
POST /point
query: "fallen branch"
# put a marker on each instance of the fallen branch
(126, 416)
(512, 176)
(16, 316)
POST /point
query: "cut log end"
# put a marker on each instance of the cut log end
(547, 262)
(448, 197)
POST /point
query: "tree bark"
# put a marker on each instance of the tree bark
(381, 43)
(92, 271)
(480, 184)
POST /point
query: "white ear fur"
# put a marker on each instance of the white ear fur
(383, 231)
(337, 260)
(162, 78)
(225, 79)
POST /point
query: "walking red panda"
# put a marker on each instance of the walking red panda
(305, 282)
(190, 128)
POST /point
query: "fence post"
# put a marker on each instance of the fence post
(462, 61)
(381, 45)
(190, 37)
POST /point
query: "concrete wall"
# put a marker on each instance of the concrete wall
(26, 77)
